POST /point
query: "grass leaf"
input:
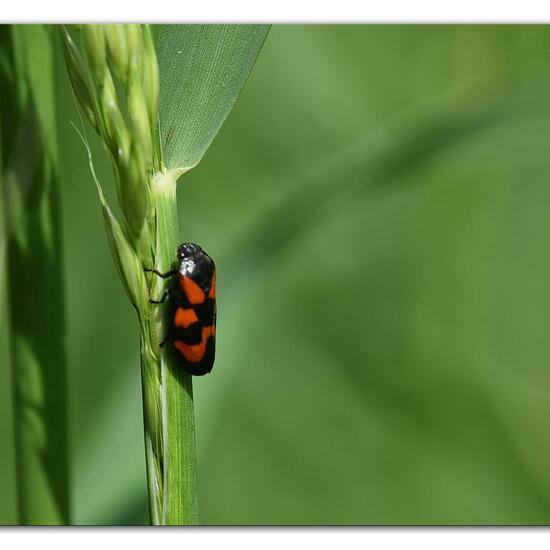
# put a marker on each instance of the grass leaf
(202, 70)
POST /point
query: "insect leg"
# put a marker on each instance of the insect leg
(163, 298)
(163, 275)
(164, 340)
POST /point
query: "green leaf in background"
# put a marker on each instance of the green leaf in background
(30, 182)
(202, 70)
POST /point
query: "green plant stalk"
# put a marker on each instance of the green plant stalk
(34, 274)
(167, 389)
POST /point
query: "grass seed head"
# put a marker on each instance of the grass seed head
(116, 83)
(117, 134)
(96, 51)
(117, 46)
(150, 77)
(77, 75)
(139, 117)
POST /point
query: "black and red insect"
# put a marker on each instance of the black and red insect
(192, 326)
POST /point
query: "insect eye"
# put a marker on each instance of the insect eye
(188, 249)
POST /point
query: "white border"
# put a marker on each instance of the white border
(275, 538)
(282, 11)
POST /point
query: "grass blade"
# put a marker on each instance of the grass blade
(35, 273)
(202, 71)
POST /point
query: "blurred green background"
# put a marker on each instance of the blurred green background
(377, 205)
